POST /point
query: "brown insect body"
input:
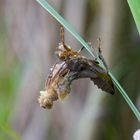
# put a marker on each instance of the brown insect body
(72, 66)
(64, 54)
(57, 72)
(64, 51)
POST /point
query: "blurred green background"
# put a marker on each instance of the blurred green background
(28, 38)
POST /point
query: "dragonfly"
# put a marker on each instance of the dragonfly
(71, 66)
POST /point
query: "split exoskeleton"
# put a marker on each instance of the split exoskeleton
(72, 66)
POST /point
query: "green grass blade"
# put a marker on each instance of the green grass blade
(61, 20)
(125, 96)
(135, 9)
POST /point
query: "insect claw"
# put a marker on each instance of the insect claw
(80, 49)
(100, 56)
(62, 35)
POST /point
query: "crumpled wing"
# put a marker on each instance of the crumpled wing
(88, 68)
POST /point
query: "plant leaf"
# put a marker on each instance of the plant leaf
(135, 9)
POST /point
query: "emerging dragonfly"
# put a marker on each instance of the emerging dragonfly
(72, 65)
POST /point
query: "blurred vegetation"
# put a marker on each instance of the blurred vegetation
(117, 122)
(9, 81)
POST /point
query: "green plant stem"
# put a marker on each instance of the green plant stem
(125, 96)
(135, 9)
(62, 21)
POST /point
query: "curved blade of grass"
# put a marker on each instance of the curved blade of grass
(125, 96)
(135, 9)
(62, 21)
